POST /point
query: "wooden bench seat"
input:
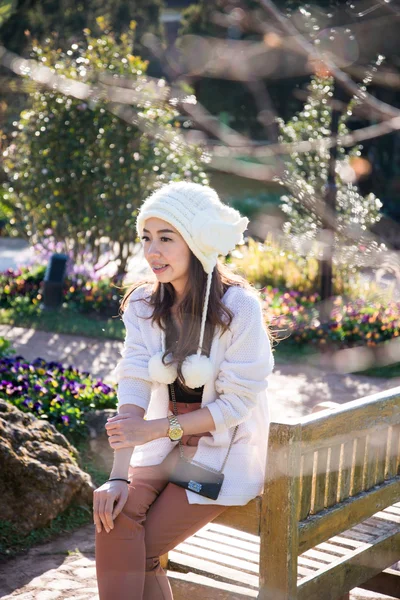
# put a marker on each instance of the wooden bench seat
(221, 555)
(328, 521)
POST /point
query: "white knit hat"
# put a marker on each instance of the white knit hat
(210, 228)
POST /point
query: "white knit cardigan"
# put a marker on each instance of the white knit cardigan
(236, 395)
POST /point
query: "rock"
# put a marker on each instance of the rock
(102, 453)
(39, 475)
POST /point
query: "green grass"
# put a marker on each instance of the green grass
(64, 320)
(388, 371)
(14, 543)
(286, 354)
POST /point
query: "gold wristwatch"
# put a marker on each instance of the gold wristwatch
(175, 431)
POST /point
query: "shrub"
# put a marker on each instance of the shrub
(77, 166)
(272, 264)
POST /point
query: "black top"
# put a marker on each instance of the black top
(181, 395)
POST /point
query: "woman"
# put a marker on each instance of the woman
(195, 363)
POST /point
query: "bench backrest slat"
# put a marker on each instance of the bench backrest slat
(394, 452)
(319, 487)
(359, 465)
(307, 469)
(333, 475)
(382, 457)
(345, 469)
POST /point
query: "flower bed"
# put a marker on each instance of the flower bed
(24, 286)
(61, 395)
(351, 323)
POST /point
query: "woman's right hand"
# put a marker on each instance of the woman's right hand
(104, 498)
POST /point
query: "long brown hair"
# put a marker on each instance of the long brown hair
(162, 298)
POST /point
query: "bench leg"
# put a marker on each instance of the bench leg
(164, 561)
(387, 582)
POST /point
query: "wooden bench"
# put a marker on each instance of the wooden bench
(328, 521)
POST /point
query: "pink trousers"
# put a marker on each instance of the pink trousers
(156, 517)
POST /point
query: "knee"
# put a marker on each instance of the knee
(124, 528)
(136, 506)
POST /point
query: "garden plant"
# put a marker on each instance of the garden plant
(81, 167)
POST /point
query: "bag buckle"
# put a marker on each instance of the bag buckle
(194, 486)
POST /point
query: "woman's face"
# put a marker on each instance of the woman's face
(167, 253)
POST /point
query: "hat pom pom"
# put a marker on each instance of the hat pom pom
(160, 372)
(197, 370)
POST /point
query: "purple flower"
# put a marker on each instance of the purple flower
(65, 419)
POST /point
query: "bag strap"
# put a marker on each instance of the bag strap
(195, 462)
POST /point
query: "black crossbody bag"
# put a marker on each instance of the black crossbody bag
(193, 476)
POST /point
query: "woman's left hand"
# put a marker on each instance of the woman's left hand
(127, 431)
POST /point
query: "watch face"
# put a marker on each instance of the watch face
(175, 434)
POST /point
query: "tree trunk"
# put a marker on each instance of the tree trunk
(327, 234)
